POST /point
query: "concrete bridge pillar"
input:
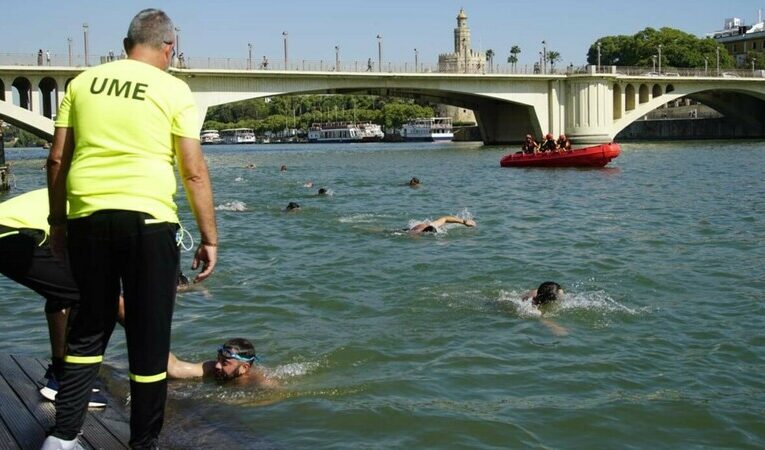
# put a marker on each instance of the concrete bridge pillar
(8, 89)
(589, 110)
(35, 101)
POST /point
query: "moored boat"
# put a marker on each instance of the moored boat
(430, 129)
(207, 137)
(334, 132)
(595, 156)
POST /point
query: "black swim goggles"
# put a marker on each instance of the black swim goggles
(228, 353)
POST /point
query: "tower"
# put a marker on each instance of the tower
(461, 34)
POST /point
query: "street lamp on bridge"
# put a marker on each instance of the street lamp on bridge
(379, 53)
(544, 57)
(598, 56)
(706, 65)
(753, 61)
(178, 41)
(659, 58)
(337, 58)
(69, 46)
(717, 52)
(653, 57)
(249, 55)
(286, 60)
(416, 60)
(85, 41)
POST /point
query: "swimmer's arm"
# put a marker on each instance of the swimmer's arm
(529, 295)
(554, 328)
(451, 219)
(177, 369)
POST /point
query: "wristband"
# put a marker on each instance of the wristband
(209, 244)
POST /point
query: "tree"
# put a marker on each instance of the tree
(553, 57)
(513, 58)
(678, 49)
(490, 59)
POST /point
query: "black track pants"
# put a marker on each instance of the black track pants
(109, 250)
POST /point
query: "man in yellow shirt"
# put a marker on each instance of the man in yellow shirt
(120, 128)
(26, 258)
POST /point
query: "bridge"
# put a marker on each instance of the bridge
(590, 105)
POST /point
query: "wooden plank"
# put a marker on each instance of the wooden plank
(22, 425)
(96, 433)
(6, 440)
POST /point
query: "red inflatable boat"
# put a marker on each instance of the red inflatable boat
(597, 156)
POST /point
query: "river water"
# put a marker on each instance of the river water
(385, 340)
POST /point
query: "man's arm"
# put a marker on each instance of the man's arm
(452, 219)
(196, 182)
(59, 160)
(177, 368)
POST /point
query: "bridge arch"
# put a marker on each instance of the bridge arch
(643, 93)
(2, 90)
(656, 91)
(49, 96)
(629, 97)
(746, 106)
(617, 93)
(24, 90)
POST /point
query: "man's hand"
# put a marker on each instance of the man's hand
(206, 256)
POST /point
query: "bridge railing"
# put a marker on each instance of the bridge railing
(372, 66)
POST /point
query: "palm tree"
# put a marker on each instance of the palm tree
(553, 57)
(513, 59)
(490, 59)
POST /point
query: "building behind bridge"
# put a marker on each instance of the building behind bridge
(463, 60)
(740, 39)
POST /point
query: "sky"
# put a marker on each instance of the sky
(222, 29)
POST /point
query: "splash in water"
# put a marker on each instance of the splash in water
(235, 205)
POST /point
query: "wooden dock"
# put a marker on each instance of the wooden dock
(25, 415)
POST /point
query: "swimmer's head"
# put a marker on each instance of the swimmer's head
(235, 359)
(283, 168)
(322, 191)
(414, 181)
(430, 229)
(547, 292)
(183, 280)
(292, 206)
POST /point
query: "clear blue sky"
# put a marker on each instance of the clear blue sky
(220, 28)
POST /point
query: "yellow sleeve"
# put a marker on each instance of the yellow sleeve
(64, 117)
(186, 118)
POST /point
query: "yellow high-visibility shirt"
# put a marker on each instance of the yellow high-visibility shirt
(124, 115)
(28, 210)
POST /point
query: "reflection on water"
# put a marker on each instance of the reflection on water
(389, 341)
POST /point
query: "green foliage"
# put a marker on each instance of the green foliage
(21, 138)
(278, 113)
(678, 49)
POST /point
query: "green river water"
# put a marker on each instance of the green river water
(385, 340)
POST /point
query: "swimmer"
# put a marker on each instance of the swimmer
(322, 191)
(250, 166)
(292, 207)
(235, 363)
(283, 168)
(308, 184)
(414, 182)
(434, 226)
(547, 292)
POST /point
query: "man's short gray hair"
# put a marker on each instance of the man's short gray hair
(151, 27)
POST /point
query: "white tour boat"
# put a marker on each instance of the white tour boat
(428, 129)
(207, 137)
(345, 132)
(238, 136)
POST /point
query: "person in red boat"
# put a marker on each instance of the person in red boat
(548, 144)
(563, 142)
(529, 145)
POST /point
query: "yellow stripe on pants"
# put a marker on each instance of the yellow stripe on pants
(147, 378)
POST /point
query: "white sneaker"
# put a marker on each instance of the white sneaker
(54, 443)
